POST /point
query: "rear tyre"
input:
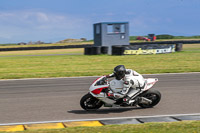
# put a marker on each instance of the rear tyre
(152, 95)
(88, 102)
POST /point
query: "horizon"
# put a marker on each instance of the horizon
(86, 40)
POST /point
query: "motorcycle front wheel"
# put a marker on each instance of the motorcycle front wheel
(152, 95)
(88, 102)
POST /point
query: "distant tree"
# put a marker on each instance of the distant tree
(164, 36)
(83, 39)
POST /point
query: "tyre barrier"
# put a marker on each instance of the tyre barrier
(88, 51)
(118, 50)
(179, 47)
(96, 50)
(104, 50)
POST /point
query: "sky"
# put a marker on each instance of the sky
(54, 20)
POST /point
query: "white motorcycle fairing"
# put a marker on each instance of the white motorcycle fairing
(149, 83)
(97, 91)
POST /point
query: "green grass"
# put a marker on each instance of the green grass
(17, 67)
(172, 127)
(81, 65)
(191, 47)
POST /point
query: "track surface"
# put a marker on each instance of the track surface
(58, 99)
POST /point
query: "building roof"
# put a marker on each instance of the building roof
(112, 23)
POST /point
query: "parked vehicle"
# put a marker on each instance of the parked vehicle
(143, 38)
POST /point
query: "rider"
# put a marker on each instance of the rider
(126, 84)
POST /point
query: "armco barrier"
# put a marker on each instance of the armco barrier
(43, 48)
(169, 42)
(87, 45)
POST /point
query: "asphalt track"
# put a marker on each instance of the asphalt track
(35, 100)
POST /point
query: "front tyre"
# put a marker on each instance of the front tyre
(88, 102)
(152, 95)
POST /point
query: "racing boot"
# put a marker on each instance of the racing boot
(119, 101)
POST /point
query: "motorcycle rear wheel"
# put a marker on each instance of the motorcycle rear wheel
(89, 103)
(152, 95)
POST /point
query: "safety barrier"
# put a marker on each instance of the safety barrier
(45, 47)
(118, 50)
(104, 50)
(96, 50)
(178, 44)
(179, 47)
(169, 42)
(145, 49)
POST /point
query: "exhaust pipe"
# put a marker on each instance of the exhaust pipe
(144, 100)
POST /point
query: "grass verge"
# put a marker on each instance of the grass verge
(16, 67)
(172, 127)
(43, 52)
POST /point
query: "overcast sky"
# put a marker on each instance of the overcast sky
(55, 20)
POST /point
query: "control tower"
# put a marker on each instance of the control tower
(111, 33)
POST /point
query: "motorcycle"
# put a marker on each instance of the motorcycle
(100, 94)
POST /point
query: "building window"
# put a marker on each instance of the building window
(122, 27)
(115, 28)
(110, 28)
(97, 29)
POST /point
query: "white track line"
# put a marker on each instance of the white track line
(98, 119)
